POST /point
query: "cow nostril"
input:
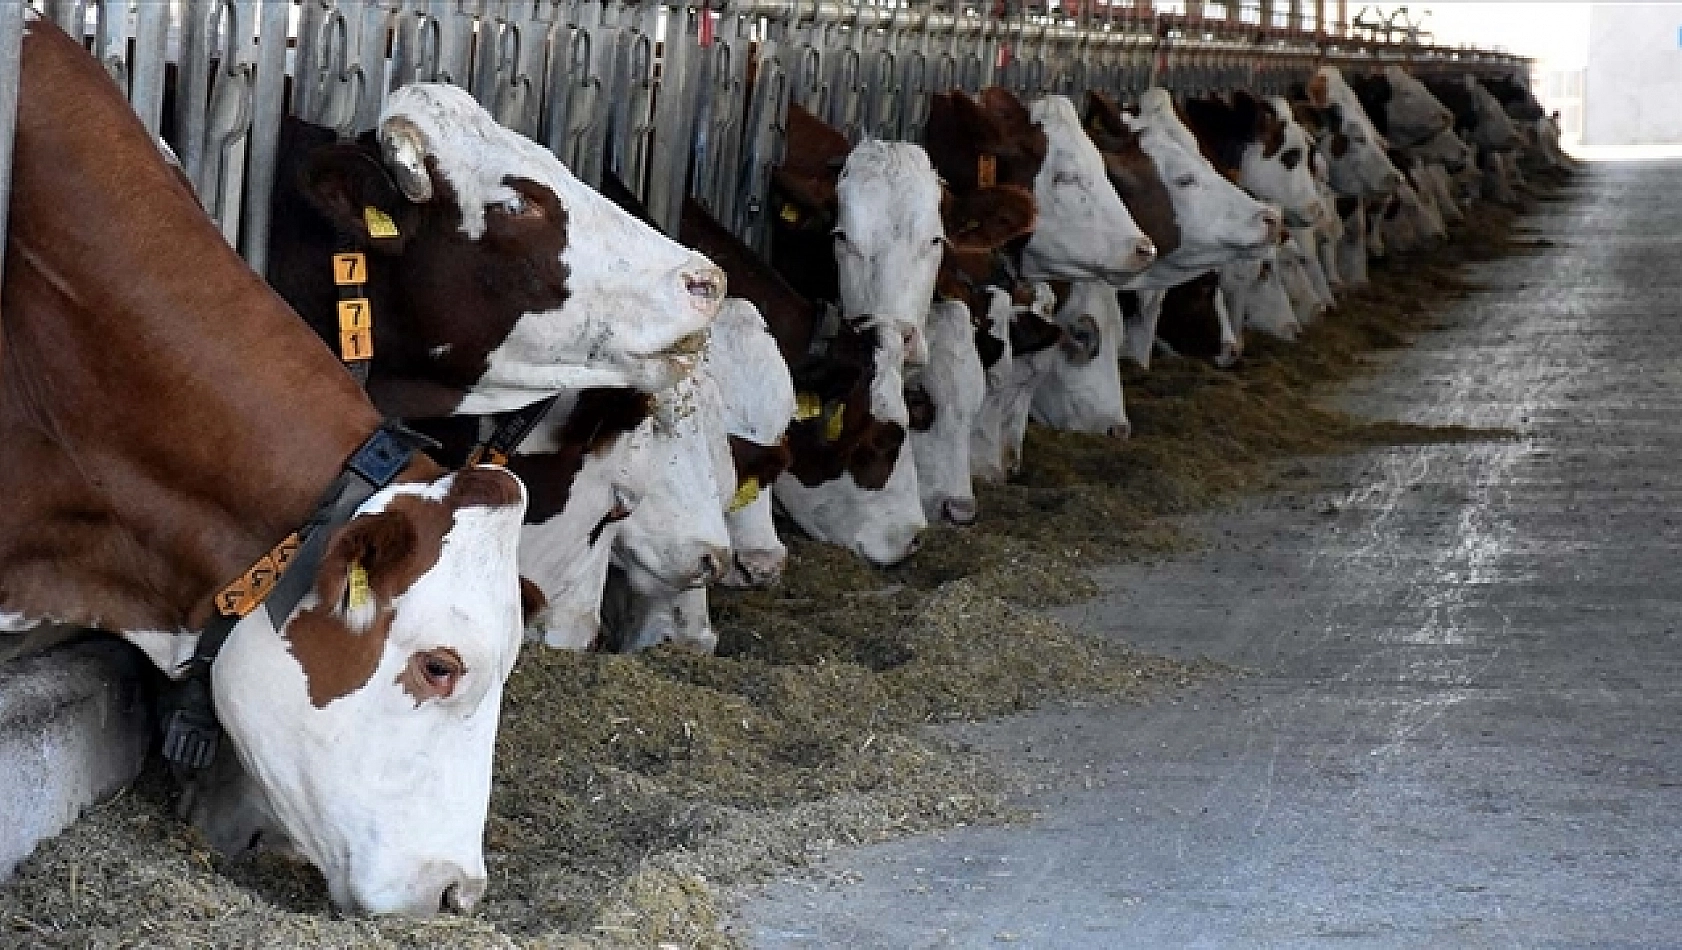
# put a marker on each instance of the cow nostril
(707, 285)
(1146, 249)
(1123, 430)
(915, 545)
(713, 565)
(959, 511)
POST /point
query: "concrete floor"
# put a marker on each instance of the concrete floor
(1464, 728)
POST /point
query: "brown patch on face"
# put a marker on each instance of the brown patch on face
(532, 600)
(1031, 333)
(1132, 173)
(867, 447)
(760, 462)
(1190, 322)
(920, 409)
(597, 420)
(432, 674)
(394, 547)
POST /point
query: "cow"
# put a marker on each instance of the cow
(496, 277)
(369, 708)
(1263, 149)
(1193, 322)
(758, 402)
(1034, 337)
(1217, 220)
(847, 482)
(1132, 173)
(1254, 296)
(1354, 148)
(1082, 389)
(1085, 231)
(675, 540)
(1299, 273)
(944, 399)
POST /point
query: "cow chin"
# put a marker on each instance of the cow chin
(883, 527)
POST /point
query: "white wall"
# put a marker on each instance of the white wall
(1633, 90)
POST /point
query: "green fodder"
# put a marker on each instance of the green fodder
(631, 790)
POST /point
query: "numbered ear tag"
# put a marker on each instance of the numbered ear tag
(746, 494)
(379, 223)
(833, 425)
(357, 592)
(807, 406)
(356, 329)
(791, 214)
(350, 269)
(986, 171)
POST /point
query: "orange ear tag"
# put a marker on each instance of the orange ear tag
(986, 171)
(356, 329)
(350, 269)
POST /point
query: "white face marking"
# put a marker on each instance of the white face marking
(888, 232)
(1218, 221)
(1255, 298)
(956, 384)
(633, 293)
(1085, 395)
(1083, 232)
(353, 781)
(881, 526)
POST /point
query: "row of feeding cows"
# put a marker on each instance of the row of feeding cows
(169, 418)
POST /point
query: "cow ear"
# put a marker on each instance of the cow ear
(360, 572)
(353, 191)
(990, 218)
(1319, 91)
(1003, 105)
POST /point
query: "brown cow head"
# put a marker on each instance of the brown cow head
(1132, 173)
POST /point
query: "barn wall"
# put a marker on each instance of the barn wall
(1634, 81)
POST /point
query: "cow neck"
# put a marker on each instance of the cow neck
(165, 429)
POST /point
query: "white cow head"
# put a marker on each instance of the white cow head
(369, 721)
(592, 296)
(1255, 297)
(888, 234)
(1084, 231)
(1495, 128)
(1353, 147)
(1218, 221)
(1297, 274)
(880, 518)
(676, 537)
(952, 385)
(1276, 169)
(758, 402)
(1082, 392)
(1414, 114)
(1034, 340)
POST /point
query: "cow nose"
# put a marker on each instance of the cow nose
(461, 895)
(1390, 182)
(1274, 220)
(959, 511)
(1144, 251)
(1120, 431)
(705, 283)
(758, 568)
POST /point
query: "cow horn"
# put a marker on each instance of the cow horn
(403, 146)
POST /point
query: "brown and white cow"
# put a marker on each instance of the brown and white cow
(168, 421)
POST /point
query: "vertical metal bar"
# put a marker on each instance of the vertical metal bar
(151, 40)
(192, 86)
(11, 69)
(265, 132)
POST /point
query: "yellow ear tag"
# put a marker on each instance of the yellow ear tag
(746, 494)
(791, 214)
(359, 594)
(807, 406)
(379, 223)
(986, 171)
(832, 425)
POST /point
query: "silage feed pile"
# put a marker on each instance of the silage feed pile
(633, 792)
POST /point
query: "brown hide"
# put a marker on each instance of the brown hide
(1226, 126)
(167, 419)
(1189, 322)
(442, 302)
(1132, 173)
(803, 196)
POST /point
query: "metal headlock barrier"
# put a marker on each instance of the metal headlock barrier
(675, 100)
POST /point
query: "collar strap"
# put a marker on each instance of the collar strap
(356, 313)
(829, 327)
(511, 429)
(278, 581)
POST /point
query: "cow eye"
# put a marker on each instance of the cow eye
(1185, 181)
(839, 235)
(433, 674)
(1291, 157)
(519, 206)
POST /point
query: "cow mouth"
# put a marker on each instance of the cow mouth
(683, 351)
